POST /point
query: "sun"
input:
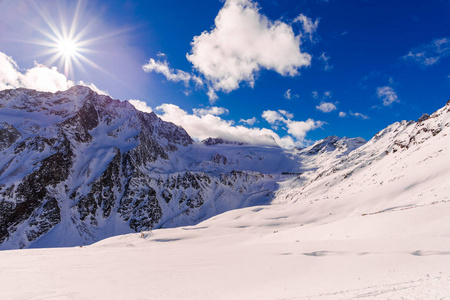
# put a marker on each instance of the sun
(68, 48)
(70, 36)
(67, 39)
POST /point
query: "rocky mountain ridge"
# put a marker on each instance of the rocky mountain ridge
(401, 167)
(77, 167)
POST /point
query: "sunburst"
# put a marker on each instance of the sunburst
(66, 41)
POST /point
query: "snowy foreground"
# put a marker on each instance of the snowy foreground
(266, 252)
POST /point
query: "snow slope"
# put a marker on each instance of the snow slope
(268, 252)
(373, 225)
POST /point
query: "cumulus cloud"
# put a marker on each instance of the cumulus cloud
(288, 95)
(326, 107)
(272, 117)
(342, 114)
(204, 126)
(249, 122)
(387, 94)
(429, 54)
(39, 77)
(315, 94)
(141, 105)
(162, 67)
(297, 129)
(309, 27)
(216, 111)
(241, 43)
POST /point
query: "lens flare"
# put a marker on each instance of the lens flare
(66, 41)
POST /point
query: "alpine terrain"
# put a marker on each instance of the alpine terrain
(77, 167)
(343, 218)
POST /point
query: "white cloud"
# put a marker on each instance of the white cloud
(174, 75)
(212, 95)
(202, 127)
(387, 94)
(325, 95)
(272, 117)
(359, 115)
(141, 105)
(289, 96)
(309, 27)
(297, 129)
(242, 42)
(249, 122)
(40, 77)
(326, 107)
(286, 113)
(326, 65)
(429, 54)
(216, 111)
(356, 115)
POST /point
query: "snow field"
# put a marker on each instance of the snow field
(267, 252)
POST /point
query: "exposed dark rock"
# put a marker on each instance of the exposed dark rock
(424, 117)
(8, 135)
(217, 141)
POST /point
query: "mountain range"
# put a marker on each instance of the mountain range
(77, 167)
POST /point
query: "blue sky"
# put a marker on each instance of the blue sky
(295, 71)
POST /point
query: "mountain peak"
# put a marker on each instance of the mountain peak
(332, 143)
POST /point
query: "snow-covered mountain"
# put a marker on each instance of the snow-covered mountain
(402, 166)
(76, 167)
(347, 219)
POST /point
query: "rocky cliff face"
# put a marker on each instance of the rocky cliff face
(76, 167)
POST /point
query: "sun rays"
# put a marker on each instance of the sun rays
(66, 41)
